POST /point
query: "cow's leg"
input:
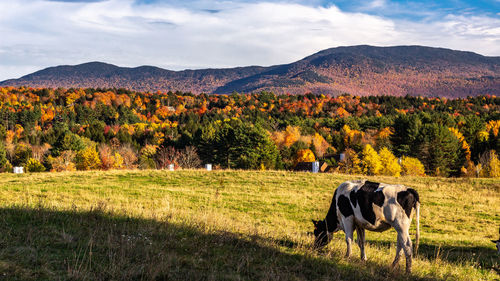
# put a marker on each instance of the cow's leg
(349, 230)
(361, 242)
(399, 248)
(404, 242)
(407, 247)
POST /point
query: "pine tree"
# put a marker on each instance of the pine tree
(3, 157)
(440, 151)
(406, 131)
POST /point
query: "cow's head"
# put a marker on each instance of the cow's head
(497, 242)
(498, 245)
(321, 234)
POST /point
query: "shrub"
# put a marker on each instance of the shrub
(63, 162)
(390, 165)
(39, 151)
(412, 167)
(118, 161)
(34, 166)
(489, 164)
(129, 157)
(147, 159)
(8, 168)
(110, 159)
(188, 158)
(305, 155)
(22, 153)
(166, 156)
(87, 159)
(370, 161)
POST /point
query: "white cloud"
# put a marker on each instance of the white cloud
(377, 4)
(38, 34)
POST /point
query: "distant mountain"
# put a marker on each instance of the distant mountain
(358, 70)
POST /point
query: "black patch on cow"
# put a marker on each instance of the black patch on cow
(344, 206)
(352, 196)
(415, 194)
(366, 196)
(331, 217)
(408, 200)
(378, 198)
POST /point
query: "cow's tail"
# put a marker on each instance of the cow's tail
(416, 197)
(417, 218)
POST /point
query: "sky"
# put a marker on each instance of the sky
(191, 34)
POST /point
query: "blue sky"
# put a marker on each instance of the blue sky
(180, 34)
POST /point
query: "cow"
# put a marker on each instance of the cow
(360, 205)
(497, 242)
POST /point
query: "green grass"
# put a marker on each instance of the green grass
(228, 225)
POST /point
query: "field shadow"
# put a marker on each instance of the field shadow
(484, 257)
(44, 244)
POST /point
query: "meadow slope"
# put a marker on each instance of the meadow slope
(228, 225)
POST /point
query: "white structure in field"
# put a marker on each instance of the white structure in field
(171, 167)
(18, 170)
(315, 166)
(208, 167)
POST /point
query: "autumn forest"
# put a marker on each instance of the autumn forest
(44, 129)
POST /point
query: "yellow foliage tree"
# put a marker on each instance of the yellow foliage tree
(305, 155)
(292, 134)
(351, 163)
(278, 138)
(88, 159)
(493, 126)
(370, 161)
(351, 136)
(390, 165)
(490, 165)
(461, 138)
(118, 164)
(320, 144)
(412, 167)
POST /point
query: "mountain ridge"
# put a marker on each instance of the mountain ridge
(358, 70)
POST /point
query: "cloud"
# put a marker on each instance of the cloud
(377, 4)
(201, 33)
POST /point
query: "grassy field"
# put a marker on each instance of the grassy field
(228, 225)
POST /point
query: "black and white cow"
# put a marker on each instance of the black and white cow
(497, 242)
(360, 205)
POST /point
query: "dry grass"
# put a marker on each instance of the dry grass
(227, 225)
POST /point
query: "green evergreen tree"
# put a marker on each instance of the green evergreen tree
(440, 151)
(406, 131)
(3, 156)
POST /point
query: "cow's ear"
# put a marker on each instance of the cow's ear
(495, 241)
(314, 222)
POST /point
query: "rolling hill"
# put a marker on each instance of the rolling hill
(357, 70)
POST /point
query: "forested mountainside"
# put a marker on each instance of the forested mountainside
(356, 70)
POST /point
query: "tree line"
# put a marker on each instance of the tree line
(46, 129)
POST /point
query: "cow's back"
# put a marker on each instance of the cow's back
(376, 206)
